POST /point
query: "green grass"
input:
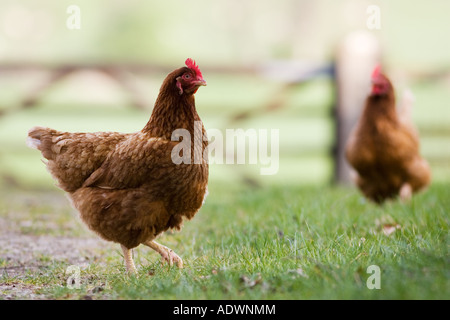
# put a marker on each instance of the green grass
(270, 243)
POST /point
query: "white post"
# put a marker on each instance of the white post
(357, 55)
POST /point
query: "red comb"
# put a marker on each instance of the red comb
(376, 72)
(190, 63)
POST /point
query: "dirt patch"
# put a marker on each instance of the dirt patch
(14, 291)
(40, 236)
(22, 252)
(26, 256)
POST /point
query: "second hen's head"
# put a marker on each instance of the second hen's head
(381, 86)
(190, 79)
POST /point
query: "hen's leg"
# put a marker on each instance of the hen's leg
(406, 192)
(127, 254)
(167, 254)
(354, 176)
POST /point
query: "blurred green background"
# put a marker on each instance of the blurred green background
(224, 37)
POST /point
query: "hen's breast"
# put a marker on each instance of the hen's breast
(187, 190)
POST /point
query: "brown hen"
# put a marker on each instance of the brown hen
(384, 147)
(126, 186)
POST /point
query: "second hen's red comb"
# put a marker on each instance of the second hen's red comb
(190, 63)
(376, 72)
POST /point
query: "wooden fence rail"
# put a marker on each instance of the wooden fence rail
(355, 58)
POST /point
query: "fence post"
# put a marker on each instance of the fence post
(357, 55)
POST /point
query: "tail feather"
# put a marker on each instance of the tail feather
(40, 138)
(34, 137)
(72, 157)
(33, 143)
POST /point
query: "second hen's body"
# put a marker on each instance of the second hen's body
(126, 187)
(384, 148)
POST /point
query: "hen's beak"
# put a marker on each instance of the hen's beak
(200, 82)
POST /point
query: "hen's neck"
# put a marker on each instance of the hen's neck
(172, 111)
(380, 108)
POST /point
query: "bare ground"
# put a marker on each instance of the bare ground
(38, 232)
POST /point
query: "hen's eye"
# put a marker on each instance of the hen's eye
(187, 76)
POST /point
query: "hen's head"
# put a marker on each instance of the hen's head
(380, 83)
(191, 78)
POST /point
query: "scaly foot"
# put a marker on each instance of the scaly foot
(166, 253)
(128, 256)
